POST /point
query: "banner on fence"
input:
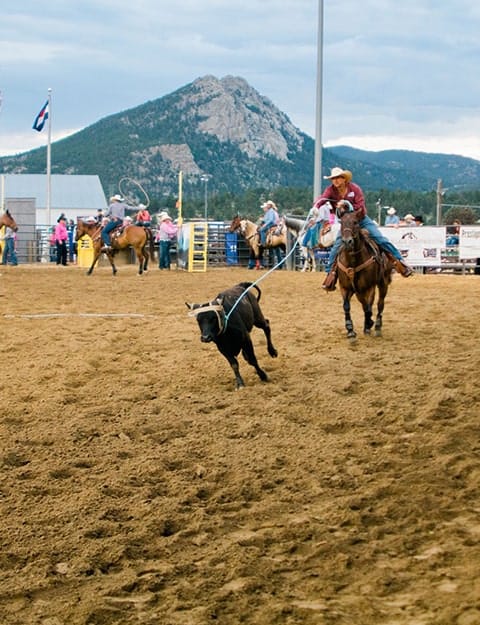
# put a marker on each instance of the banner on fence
(469, 245)
(420, 246)
(183, 244)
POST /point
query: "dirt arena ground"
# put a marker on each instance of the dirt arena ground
(138, 487)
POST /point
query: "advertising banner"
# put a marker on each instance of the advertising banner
(469, 246)
(421, 246)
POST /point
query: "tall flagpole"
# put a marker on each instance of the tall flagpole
(49, 158)
(180, 199)
(2, 177)
(317, 170)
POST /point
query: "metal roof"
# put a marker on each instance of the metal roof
(66, 191)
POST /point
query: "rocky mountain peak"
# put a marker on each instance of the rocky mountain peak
(232, 111)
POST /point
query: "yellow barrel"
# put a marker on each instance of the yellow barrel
(84, 251)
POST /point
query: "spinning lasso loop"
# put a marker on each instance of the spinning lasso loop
(136, 183)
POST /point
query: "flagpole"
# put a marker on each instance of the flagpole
(180, 198)
(317, 175)
(49, 158)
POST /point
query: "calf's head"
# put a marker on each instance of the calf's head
(210, 319)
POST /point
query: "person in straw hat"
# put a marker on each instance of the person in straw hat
(392, 220)
(166, 234)
(343, 189)
(143, 218)
(269, 219)
(116, 213)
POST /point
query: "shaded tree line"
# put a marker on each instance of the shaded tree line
(463, 205)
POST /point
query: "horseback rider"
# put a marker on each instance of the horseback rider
(143, 218)
(116, 215)
(269, 220)
(316, 218)
(343, 189)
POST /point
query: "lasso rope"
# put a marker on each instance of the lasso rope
(135, 182)
(227, 316)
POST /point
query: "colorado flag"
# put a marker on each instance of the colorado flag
(41, 118)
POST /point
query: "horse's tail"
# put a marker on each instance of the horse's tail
(248, 285)
(151, 242)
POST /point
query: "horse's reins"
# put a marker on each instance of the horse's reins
(96, 232)
(351, 271)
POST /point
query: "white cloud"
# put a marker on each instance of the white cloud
(403, 71)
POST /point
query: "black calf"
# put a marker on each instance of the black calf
(231, 333)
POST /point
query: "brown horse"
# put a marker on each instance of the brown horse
(135, 236)
(276, 240)
(362, 269)
(6, 219)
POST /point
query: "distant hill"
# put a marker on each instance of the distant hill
(224, 128)
(409, 170)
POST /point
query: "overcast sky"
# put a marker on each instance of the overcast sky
(395, 74)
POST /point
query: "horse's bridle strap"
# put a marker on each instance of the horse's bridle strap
(351, 271)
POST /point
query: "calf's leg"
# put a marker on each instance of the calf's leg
(264, 325)
(249, 355)
(233, 362)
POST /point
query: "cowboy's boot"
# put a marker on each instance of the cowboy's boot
(330, 281)
(402, 268)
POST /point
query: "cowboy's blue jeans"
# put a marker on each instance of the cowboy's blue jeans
(108, 228)
(9, 252)
(164, 254)
(375, 234)
(263, 231)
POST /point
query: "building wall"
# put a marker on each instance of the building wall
(23, 211)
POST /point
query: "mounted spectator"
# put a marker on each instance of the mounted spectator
(392, 220)
(453, 232)
(143, 218)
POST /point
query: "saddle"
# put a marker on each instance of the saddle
(327, 236)
(115, 233)
(275, 231)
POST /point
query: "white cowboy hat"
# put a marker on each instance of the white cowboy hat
(164, 216)
(269, 203)
(338, 171)
(142, 207)
(409, 217)
(116, 198)
(391, 211)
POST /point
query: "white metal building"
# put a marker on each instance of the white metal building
(76, 196)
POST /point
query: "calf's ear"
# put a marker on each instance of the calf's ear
(191, 306)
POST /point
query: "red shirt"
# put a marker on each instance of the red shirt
(353, 194)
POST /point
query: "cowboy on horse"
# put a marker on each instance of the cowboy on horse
(116, 216)
(343, 190)
(270, 220)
